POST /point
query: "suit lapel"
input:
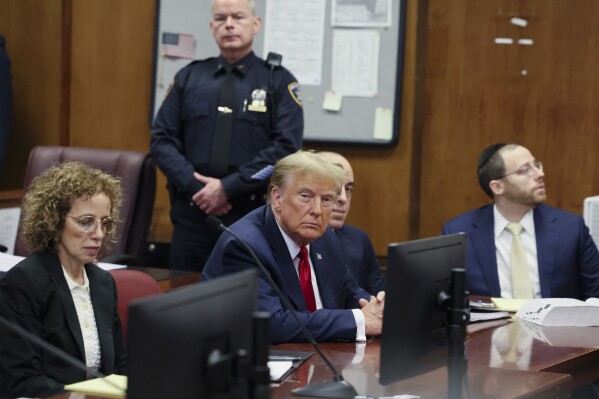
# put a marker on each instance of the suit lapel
(103, 305)
(289, 281)
(324, 275)
(546, 234)
(57, 276)
(483, 244)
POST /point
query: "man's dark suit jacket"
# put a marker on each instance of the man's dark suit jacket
(34, 294)
(361, 259)
(338, 289)
(567, 256)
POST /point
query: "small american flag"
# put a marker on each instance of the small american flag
(178, 45)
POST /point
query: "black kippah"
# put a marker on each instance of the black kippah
(488, 153)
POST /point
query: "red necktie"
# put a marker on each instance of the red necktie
(306, 279)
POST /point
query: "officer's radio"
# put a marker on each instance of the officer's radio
(273, 60)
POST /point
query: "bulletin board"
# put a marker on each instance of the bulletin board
(364, 120)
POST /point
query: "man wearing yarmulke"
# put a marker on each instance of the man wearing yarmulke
(519, 247)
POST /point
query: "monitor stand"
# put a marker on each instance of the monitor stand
(458, 315)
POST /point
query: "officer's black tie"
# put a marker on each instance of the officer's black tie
(219, 158)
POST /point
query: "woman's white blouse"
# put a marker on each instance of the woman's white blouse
(87, 320)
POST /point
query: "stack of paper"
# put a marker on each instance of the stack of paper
(561, 312)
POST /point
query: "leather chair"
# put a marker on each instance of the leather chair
(131, 285)
(138, 178)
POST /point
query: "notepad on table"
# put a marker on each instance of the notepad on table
(508, 304)
(116, 387)
(281, 363)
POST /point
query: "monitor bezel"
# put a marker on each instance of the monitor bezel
(414, 337)
(172, 335)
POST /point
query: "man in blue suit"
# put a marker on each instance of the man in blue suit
(359, 254)
(322, 292)
(561, 258)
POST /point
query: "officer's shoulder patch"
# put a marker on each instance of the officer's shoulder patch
(170, 87)
(296, 94)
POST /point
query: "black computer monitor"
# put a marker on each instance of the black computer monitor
(187, 343)
(415, 322)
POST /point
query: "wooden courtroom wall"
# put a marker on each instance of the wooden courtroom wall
(545, 96)
(33, 30)
(82, 77)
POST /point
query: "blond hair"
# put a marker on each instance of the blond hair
(302, 164)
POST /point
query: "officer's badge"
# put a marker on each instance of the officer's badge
(258, 101)
(296, 94)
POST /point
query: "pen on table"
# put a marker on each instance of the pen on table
(283, 358)
(245, 103)
(404, 396)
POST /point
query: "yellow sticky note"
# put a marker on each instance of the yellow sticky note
(383, 124)
(508, 304)
(113, 386)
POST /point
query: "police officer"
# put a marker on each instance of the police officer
(223, 125)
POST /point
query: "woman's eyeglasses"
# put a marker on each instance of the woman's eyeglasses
(89, 223)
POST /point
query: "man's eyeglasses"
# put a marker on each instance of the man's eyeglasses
(89, 223)
(526, 170)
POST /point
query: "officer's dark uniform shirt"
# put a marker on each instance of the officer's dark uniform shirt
(183, 129)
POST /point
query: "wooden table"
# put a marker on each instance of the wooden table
(519, 345)
(506, 359)
(360, 365)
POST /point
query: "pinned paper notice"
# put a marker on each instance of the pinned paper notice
(503, 40)
(383, 124)
(332, 101)
(519, 22)
(178, 45)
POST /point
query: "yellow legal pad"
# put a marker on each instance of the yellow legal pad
(508, 304)
(99, 386)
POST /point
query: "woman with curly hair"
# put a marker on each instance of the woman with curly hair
(70, 213)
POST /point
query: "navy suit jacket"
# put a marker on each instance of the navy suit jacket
(361, 259)
(34, 294)
(338, 289)
(567, 256)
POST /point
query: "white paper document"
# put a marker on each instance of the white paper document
(279, 368)
(484, 316)
(7, 261)
(361, 13)
(355, 71)
(565, 312)
(301, 44)
(9, 224)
